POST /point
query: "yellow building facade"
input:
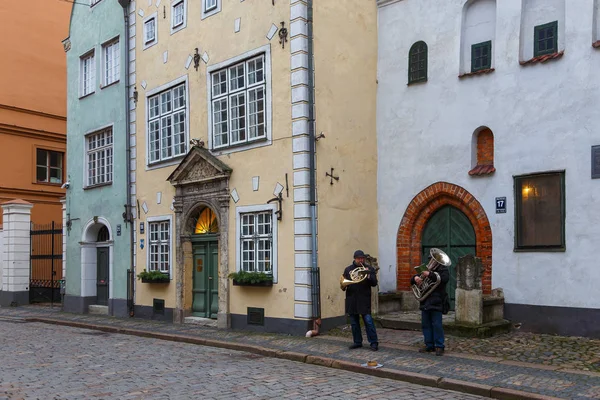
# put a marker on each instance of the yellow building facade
(222, 176)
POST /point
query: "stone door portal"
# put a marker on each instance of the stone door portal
(449, 230)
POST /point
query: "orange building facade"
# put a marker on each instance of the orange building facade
(33, 105)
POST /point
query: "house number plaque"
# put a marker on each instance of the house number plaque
(199, 264)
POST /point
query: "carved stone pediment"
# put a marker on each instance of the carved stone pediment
(199, 166)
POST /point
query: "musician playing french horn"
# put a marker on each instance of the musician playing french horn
(431, 309)
(358, 299)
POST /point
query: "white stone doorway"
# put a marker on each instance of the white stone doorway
(97, 261)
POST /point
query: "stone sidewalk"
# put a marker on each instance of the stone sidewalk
(509, 367)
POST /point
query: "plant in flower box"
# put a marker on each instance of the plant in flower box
(153, 277)
(246, 278)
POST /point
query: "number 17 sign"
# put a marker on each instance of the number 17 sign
(500, 205)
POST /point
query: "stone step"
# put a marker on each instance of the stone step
(200, 321)
(98, 310)
(450, 326)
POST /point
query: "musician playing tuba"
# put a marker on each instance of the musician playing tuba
(357, 280)
(431, 309)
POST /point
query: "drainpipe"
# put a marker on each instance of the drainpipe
(127, 215)
(315, 275)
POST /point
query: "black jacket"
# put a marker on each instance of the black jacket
(358, 295)
(435, 300)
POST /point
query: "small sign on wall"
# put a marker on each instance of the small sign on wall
(118, 230)
(500, 205)
(141, 228)
(595, 162)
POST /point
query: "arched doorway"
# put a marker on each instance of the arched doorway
(97, 262)
(205, 274)
(450, 230)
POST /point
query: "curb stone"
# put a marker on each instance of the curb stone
(404, 376)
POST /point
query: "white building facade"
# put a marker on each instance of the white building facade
(487, 128)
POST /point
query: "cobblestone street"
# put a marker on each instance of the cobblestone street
(42, 361)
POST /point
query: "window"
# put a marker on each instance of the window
(178, 15)
(88, 74)
(481, 56)
(545, 39)
(99, 155)
(150, 31)
(417, 63)
(540, 212)
(210, 7)
(238, 103)
(49, 166)
(111, 62)
(160, 246)
(167, 124)
(257, 241)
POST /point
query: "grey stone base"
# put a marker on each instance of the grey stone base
(78, 304)
(147, 312)
(285, 325)
(566, 321)
(14, 299)
(118, 308)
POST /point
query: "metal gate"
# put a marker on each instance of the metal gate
(45, 262)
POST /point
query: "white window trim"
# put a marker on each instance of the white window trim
(94, 2)
(206, 14)
(184, 25)
(80, 78)
(148, 18)
(160, 218)
(150, 93)
(238, 230)
(266, 50)
(103, 61)
(84, 166)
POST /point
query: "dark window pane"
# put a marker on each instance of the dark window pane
(55, 159)
(41, 174)
(549, 44)
(41, 157)
(541, 34)
(540, 219)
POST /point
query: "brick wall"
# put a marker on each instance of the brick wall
(485, 147)
(418, 212)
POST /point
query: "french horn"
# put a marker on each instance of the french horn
(438, 257)
(357, 275)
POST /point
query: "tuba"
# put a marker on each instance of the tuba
(438, 258)
(357, 275)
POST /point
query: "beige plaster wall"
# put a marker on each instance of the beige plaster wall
(346, 84)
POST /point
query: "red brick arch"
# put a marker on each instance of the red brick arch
(418, 212)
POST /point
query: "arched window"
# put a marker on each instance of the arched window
(417, 63)
(483, 143)
(207, 222)
(103, 235)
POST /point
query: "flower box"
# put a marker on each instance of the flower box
(166, 279)
(153, 277)
(263, 283)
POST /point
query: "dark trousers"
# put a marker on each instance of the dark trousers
(433, 331)
(369, 325)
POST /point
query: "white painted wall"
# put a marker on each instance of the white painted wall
(543, 116)
(1, 257)
(539, 12)
(479, 25)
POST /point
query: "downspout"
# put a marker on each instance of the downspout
(315, 275)
(127, 215)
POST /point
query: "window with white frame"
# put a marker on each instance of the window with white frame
(150, 31)
(167, 124)
(238, 103)
(99, 153)
(111, 62)
(160, 246)
(178, 15)
(256, 241)
(210, 7)
(88, 73)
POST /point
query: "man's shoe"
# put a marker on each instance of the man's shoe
(374, 347)
(355, 346)
(439, 351)
(426, 350)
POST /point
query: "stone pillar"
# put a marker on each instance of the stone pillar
(469, 296)
(16, 271)
(224, 314)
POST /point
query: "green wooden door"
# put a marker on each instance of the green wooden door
(450, 231)
(205, 290)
